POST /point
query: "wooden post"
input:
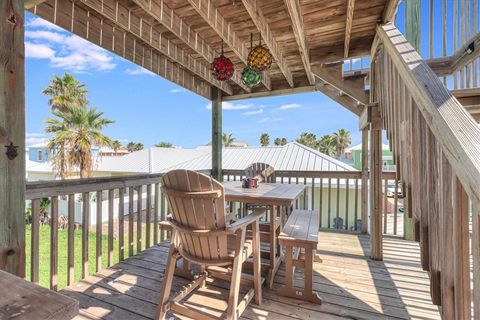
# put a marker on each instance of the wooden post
(412, 34)
(364, 181)
(376, 251)
(217, 134)
(12, 133)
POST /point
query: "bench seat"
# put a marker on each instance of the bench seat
(300, 233)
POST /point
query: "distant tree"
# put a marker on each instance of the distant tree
(264, 139)
(227, 140)
(280, 141)
(116, 145)
(308, 139)
(134, 146)
(65, 91)
(326, 145)
(342, 140)
(164, 144)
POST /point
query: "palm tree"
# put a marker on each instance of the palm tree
(280, 141)
(308, 139)
(116, 145)
(227, 140)
(64, 91)
(342, 140)
(326, 145)
(134, 146)
(264, 139)
(77, 129)
(164, 144)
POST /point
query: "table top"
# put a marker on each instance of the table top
(265, 194)
(28, 301)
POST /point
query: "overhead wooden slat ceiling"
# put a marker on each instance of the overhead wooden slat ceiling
(177, 39)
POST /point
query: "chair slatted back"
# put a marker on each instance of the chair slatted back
(262, 171)
(195, 207)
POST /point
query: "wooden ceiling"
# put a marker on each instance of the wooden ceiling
(178, 39)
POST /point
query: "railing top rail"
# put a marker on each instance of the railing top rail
(455, 130)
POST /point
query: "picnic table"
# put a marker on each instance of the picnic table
(280, 199)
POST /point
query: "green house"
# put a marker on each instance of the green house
(387, 158)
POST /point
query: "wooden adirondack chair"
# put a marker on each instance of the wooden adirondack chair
(262, 171)
(202, 237)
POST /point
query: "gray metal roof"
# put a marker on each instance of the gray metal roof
(291, 157)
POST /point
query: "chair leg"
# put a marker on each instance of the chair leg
(257, 274)
(236, 277)
(167, 282)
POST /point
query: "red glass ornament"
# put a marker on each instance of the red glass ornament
(222, 68)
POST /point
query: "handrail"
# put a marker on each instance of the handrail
(456, 131)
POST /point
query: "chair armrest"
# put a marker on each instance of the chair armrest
(245, 221)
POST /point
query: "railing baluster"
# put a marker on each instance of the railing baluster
(356, 206)
(139, 219)
(156, 211)
(476, 258)
(121, 224)
(111, 199)
(329, 202)
(85, 231)
(321, 202)
(338, 205)
(313, 193)
(35, 246)
(347, 200)
(395, 207)
(163, 205)
(98, 237)
(147, 215)
(130, 221)
(385, 205)
(71, 240)
(54, 244)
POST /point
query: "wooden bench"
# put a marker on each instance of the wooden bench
(300, 232)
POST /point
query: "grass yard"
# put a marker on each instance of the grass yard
(44, 263)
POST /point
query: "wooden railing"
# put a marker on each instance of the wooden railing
(436, 146)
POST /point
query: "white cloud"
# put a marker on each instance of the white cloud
(32, 138)
(177, 90)
(139, 72)
(253, 112)
(70, 52)
(231, 106)
(289, 106)
(269, 119)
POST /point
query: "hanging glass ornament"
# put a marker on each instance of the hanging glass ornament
(259, 57)
(251, 77)
(222, 67)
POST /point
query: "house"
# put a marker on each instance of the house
(387, 157)
(40, 152)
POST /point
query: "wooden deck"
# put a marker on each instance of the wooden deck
(351, 286)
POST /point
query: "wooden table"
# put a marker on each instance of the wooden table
(20, 299)
(280, 199)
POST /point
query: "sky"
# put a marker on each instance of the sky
(149, 109)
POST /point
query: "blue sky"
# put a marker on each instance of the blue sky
(150, 109)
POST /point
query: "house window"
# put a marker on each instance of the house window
(40, 155)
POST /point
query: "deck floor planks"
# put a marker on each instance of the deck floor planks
(350, 284)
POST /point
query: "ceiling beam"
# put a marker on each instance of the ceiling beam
(294, 10)
(349, 103)
(390, 10)
(211, 15)
(348, 27)
(335, 52)
(260, 22)
(272, 93)
(146, 32)
(29, 4)
(353, 87)
(87, 24)
(158, 10)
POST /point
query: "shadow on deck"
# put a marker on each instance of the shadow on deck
(351, 286)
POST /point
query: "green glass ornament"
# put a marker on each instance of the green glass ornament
(251, 77)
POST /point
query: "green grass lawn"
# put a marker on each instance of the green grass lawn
(44, 263)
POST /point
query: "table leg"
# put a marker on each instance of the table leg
(273, 247)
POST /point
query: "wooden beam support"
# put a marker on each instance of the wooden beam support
(376, 250)
(210, 13)
(147, 32)
(337, 96)
(158, 10)
(390, 10)
(295, 12)
(28, 4)
(12, 134)
(353, 87)
(266, 94)
(260, 22)
(217, 135)
(370, 116)
(359, 47)
(86, 23)
(348, 27)
(365, 177)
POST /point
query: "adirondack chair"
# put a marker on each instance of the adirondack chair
(264, 173)
(201, 236)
